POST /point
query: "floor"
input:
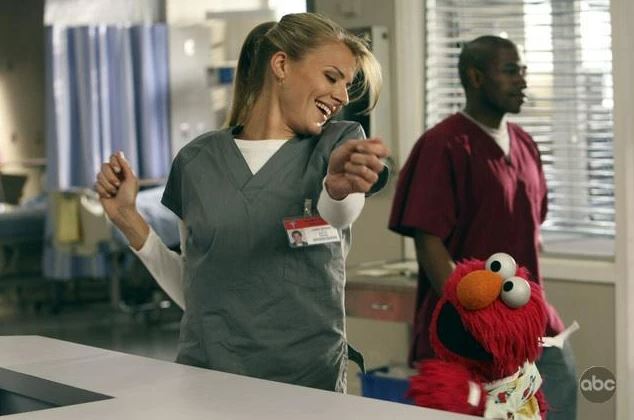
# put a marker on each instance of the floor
(94, 322)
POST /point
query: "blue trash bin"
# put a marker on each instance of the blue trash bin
(389, 383)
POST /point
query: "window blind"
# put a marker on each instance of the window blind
(566, 45)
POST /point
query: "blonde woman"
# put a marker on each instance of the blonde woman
(254, 304)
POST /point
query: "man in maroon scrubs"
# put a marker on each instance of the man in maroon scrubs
(473, 186)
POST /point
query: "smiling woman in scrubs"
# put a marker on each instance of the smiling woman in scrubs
(254, 304)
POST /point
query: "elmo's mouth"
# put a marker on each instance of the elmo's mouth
(456, 338)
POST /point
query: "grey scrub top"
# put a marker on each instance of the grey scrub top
(254, 305)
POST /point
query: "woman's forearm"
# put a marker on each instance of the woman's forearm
(133, 226)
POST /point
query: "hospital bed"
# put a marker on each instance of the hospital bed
(82, 229)
(23, 237)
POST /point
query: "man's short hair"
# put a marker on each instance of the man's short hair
(479, 53)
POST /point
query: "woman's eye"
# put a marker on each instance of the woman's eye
(331, 79)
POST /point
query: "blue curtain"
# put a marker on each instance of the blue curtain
(106, 90)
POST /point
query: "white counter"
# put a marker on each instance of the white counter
(145, 388)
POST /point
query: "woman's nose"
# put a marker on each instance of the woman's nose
(341, 95)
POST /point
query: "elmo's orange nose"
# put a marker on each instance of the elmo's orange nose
(478, 289)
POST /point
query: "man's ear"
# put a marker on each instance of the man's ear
(279, 65)
(475, 76)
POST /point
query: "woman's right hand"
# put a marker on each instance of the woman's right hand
(117, 186)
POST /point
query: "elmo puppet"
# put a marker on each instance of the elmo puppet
(485, 331)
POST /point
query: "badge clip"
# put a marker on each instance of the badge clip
(308, 207)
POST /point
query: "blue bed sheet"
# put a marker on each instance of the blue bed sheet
(163, 221)
(24, 223)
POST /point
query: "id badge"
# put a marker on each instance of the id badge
(308, 231)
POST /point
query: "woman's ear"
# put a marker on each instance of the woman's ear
(279, 65)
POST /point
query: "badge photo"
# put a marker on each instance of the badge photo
(308, 231)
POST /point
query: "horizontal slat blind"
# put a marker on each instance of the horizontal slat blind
(566, 46)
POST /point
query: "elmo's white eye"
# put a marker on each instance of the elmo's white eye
(515, 292)
(502, 264)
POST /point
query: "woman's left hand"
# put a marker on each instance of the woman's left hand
(354, 167)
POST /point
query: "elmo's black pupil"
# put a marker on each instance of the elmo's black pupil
(508, 286)
(495, 266)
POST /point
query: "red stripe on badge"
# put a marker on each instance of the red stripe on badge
(304, 222)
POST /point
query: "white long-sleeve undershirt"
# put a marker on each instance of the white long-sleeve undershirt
(166, 266)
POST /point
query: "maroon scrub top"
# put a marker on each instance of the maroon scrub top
(458, 185)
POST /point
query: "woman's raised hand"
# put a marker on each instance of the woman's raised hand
(355, 167)
(117, 186)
